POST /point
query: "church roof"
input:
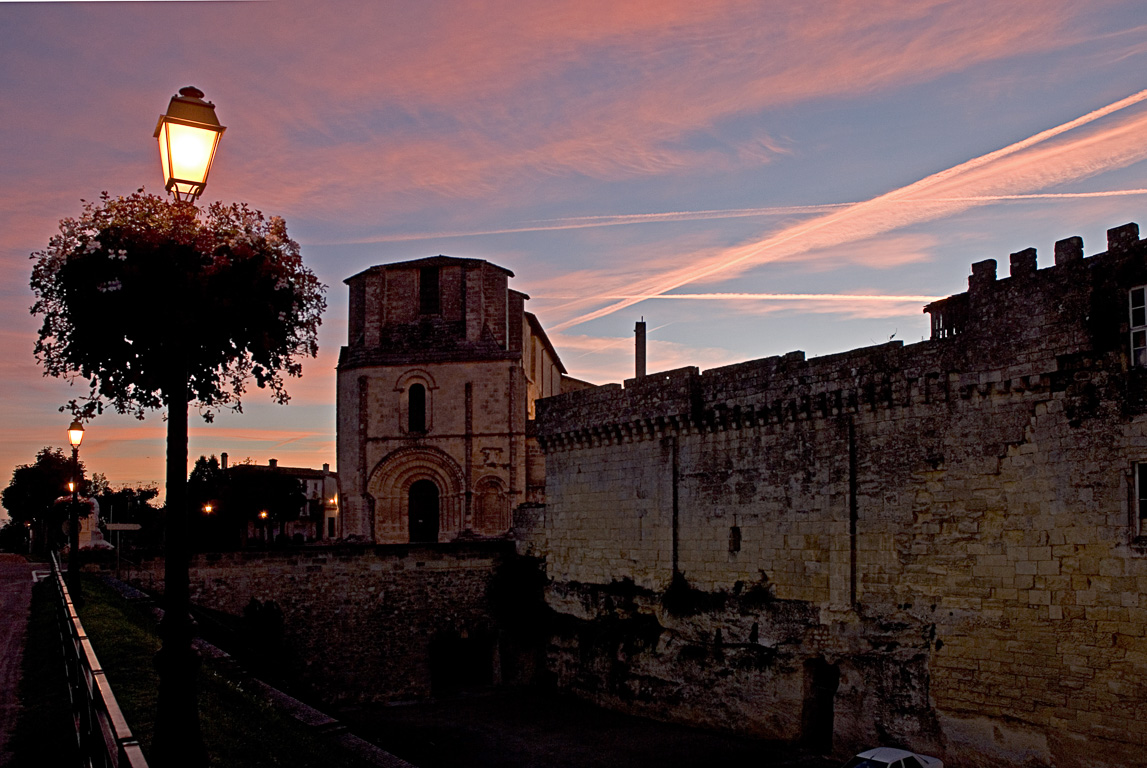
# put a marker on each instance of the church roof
(429, 261)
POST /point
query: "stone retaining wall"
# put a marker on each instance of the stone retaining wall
(365, 623)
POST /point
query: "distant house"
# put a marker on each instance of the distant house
(311, 514)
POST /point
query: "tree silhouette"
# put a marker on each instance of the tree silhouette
(31, 495)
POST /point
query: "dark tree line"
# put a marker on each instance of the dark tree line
(37, 515)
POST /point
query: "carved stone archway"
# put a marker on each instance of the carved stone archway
(491, 507)
(390, 483)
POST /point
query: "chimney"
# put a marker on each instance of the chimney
(272, 463)
(223, 460)
(326, 469)
(639, 330)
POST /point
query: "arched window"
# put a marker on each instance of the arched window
(423, 499)
(416, 408)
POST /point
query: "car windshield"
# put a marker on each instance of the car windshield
(864, 762)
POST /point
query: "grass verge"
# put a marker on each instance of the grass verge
(239, 730)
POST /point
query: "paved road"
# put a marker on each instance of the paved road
(15, 600)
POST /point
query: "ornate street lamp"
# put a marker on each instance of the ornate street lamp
(75, 437)
(188, 136)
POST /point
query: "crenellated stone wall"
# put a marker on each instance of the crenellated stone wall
(936, 545)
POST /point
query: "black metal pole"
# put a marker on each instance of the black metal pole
(74, 531)
(178, 738)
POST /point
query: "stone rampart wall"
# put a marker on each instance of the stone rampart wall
(958, 515)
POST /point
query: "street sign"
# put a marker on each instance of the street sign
(123, 526)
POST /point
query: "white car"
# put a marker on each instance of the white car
(887, 757)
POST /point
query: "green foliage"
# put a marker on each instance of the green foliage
(137, 287)
(683, 599)
(129, 504)
(13, 537)
(207, 483)
(31, 495)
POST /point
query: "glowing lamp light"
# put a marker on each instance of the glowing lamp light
(188, 136)
(76, 433)
(263, 515)
(71, 487)
(207, 509)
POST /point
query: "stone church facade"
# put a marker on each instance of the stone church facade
(435, 388)
(940, 545)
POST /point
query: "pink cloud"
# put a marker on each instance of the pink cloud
(431, 103)
(465, 100)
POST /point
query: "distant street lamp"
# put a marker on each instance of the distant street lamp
(75, 437)
(188, 135)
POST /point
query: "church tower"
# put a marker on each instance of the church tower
(436, 387)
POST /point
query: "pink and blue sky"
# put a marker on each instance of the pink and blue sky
(751, 177)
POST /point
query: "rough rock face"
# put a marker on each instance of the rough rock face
(742, 661)
(951, 534)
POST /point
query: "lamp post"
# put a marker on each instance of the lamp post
(188, 135)
(75, 437)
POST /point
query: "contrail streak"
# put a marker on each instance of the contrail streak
(622, 219)
(611, 220)
(839, 297)
(1033, 196)
(869, 207)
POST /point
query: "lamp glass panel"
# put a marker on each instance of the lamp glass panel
(75, 436)
(163, 159)
(191, 149)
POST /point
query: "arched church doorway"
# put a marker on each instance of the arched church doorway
(423, 511)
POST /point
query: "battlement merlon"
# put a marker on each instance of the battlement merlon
(1031, 332)
(953, 316)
